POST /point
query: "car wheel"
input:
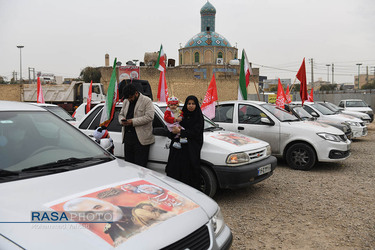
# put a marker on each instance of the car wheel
(208, 183)
(301, 156)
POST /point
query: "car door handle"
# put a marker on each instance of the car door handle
(240, 128)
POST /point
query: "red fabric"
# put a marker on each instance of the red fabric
(39, 94)
(301, 76)
(211, 94)
(280, 98)
(311, 96)
(169, 117)
(88, 105)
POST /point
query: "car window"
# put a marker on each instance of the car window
(308, 109)
(281, 114)
(341, 104)
(60, 112)
(249, 114)
(29, 139)
(224, 113)
(322, 109)
(356, 104)
(85, 124)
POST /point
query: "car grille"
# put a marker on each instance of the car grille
(256, 155)
(198, 240)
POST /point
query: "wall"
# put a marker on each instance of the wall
(10, 92)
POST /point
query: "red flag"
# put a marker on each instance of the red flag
(88, 104)
(287, 95)
(301, 76)
(280, 98)
(39, 94)
(208, 105)
(311, 96)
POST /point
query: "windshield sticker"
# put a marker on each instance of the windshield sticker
(235, 139)
(118, 212)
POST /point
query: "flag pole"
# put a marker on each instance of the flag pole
(291, 87)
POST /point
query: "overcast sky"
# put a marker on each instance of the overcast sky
(63, 37)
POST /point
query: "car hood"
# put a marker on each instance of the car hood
(315, 126)
(229, 142)
(341, 118)
(359, 109)
(356, 114)
(47, 193)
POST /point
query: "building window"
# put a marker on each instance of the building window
(220, 55)
(196, 56)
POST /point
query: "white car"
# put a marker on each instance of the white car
(301, 143)
(61, 190)
(56, 110)
(363, 116)
(319, 111)
(229, 160)
(357, 105)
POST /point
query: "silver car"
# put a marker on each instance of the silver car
(61, 190)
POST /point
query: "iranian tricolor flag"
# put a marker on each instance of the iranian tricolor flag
(39, 94)
(111, 99)
(245, 73)
(88, 104)
(208, 105)
(160, 65)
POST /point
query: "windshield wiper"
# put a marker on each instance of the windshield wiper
(65, 164)
(4, 173)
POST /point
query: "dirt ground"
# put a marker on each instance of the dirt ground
(331, 206)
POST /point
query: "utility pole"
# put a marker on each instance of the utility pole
(312, 72)
(333, 66)
(359, 66)
(328, 72)
(32, 69)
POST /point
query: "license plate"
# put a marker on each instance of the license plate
(264, 169)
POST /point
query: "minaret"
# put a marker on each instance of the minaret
(208, 13)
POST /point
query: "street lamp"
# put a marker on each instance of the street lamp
(20, 47)
(359, 66)
(328, 72)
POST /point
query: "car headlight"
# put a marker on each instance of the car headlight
(218, 222)
(268, 150)
(237, 158)
(330, 137)
(353, 123)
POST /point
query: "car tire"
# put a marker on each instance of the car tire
(301, 156)
(208, 183)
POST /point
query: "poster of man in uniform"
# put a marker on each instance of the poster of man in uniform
(117, 212)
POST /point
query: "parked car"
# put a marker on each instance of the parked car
(80, 111)
(357, 105)
(229, 160)
(364, 117)
(320, 112)
(300, 143)
(303, 115)
(57, 110)
(61, 190)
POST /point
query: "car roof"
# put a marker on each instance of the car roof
(344, 100)
(43, 104)
(242, 101)
(19, 106)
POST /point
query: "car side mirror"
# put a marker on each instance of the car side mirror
(314, 114)
(161, 131)
(267, 121)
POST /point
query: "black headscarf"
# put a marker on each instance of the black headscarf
(193, 121)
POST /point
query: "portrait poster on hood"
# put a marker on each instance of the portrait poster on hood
(119, 211)
(235, 139)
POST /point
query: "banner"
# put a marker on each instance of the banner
(128, 72)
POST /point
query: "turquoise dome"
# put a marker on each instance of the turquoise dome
(208, 38)
(208, 8)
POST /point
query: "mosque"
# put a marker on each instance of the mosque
(208, 46)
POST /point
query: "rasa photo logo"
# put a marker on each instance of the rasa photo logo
(71, 216)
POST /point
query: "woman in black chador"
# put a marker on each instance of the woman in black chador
(184, 164)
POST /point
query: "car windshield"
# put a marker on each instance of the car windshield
(303, 114)
(279, 113)
(208, 124)
(31, 139)
(331, 106)
(322, 109)
(356, 104)
(60, 112)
